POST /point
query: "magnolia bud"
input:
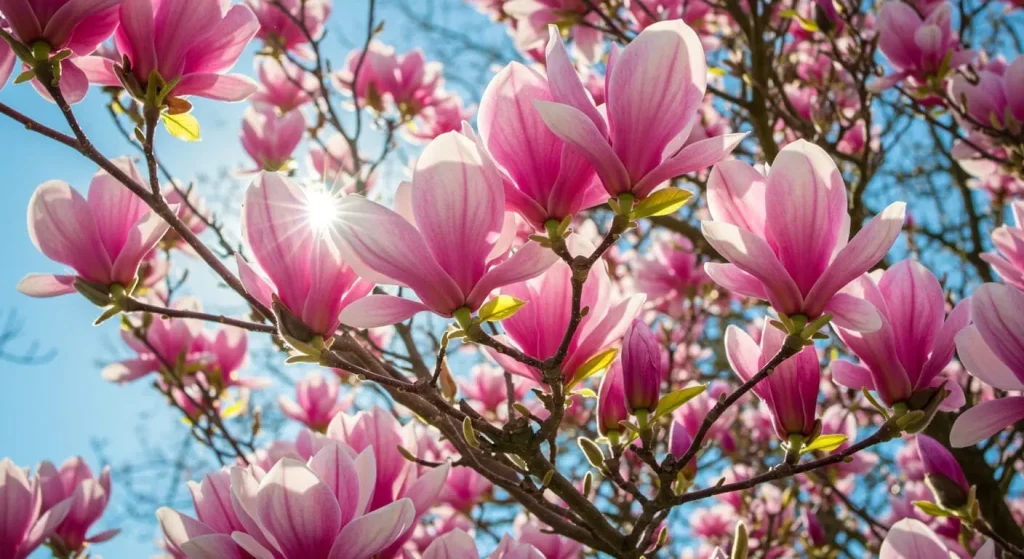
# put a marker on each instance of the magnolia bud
(815, 533)
(943, 474)
(611, 401)
(679, 442)
(641, 367)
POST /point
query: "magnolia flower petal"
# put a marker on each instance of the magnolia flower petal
(986, 419)
(692, 158)
(912, 539)
(979, 360)
(373, 311)
(732, 278)
(367, 535)
(529, 261)
(853, 313)
(577, 130)
(752, 254)
(46, 285)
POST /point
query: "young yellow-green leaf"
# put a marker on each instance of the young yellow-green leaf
(672, 401)
(233, 410)
(662, 202)
(500, 308)
(931, 509)
(593, 366)
(824, 443)
(585, 392)
(182, 126)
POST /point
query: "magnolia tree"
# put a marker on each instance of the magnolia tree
(669, 278)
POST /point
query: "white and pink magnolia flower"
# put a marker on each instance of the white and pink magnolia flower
(103, 238)
(786, 236)
(447, 242)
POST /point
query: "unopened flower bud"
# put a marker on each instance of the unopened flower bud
(942, 473)
(611, 401)
(679, 442)
(641, 367)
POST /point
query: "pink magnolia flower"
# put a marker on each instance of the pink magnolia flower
(486, 390)
(397, 478)
(387, 81)
(993, 351)
(88, 495)
(693, 413)
(283, 85)
(994, 101)
(316, 402)
(269, 138)
(223, 352)
(191, 211)
(791, 392)
(611, 401)
(315, 509)
(918, 48)
(838, 420)
(539, 326)
(24, 526)
(103, 238)
(1008, 258)
(78, 26)
(915, 342)
(192, 41)
(457, 544)
(546, 177)
(166, 341)
(785, 236)
(654, 89)
(642, 369)
(465, 488)
(670, 269)
(281, 227)
(278, 29)
(690, 11)
(450, 257)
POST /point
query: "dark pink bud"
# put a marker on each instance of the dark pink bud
(679, 442)
(942, 473)
(611, 401)
(641, 367)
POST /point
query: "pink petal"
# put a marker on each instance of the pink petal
(654, 92)
(61, 226)
(227, 87)
(452, 545)
(804, 201)
(529, 261)
(45, 526)
(566, 87)
(736, 194)
(853, 313)
(212, 546)
(335, 467)
(220, 49)
(986, 419)
(252, 546)
(180, 25)
(365, 536)
(134, 36)
(104, 536)
(427, 487)
(116, 209)
(860, 255)
(99, 70)
(7, 61)
(916, 309)
(46, 285)
(178, 528)
(735, 280)
(979, 360)
(298, 509)
(945, 341)
(275, 225)
(382, 247)
(692, 158)
(911, 539)
(577, 130)
(459, 205)
(742, 352)
(19, 505)
(78, 17)
(254, 284)
(752, 254)
(373, 311)
(997, 314)
(851, 376)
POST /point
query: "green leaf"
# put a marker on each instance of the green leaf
(672, 401)
(593, 452)
(585, 392)
(182, 126)
(500, 308)
(233, 410)
(931, 509)
(824, 443)
(593, 366)
(662, 202)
